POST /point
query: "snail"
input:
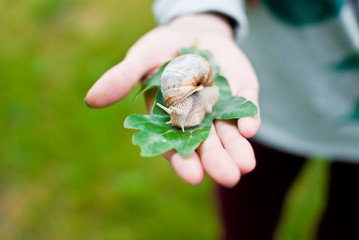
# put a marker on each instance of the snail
(186, 85)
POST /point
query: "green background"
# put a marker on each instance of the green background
(70, 172)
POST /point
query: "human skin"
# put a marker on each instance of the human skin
(226, 154)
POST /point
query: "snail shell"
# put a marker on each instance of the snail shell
(186, 85)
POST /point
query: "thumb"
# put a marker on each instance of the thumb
(118, 81)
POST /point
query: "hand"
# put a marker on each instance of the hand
(226, 154)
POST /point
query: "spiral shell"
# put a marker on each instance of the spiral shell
(183, 76)
(186, 85)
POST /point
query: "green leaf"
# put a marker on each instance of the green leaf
(230, 107)
(156, 137)
(154, 81)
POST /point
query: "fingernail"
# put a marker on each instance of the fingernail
(87, 103)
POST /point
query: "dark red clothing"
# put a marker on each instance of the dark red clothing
(251, 210)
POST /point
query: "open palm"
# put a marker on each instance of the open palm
(226, 154)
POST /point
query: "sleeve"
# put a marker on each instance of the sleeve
(166, 10)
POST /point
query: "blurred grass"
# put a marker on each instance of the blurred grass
(305, 202)
(69, 172)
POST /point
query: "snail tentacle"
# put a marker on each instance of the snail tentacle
(167, 110)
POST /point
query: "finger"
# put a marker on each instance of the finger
(117, 82)
(243, 82)
(217, 162)
(189, 169)
(236, 145)
(249, 126)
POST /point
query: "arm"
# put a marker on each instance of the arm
(226, 153)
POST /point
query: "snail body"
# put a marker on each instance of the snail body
(186, 85)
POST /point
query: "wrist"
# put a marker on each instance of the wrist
(205, 22)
